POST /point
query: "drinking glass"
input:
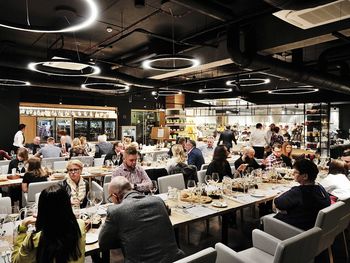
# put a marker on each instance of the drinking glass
(20, 166)
(98, 198)
(191, 184)
(208, 178)
(91, 195)
(3, 216)
(215, 177)
(114, 159)
(14, 216)
(154, 187)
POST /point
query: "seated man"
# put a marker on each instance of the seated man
(208, 150)
(102, 147)
(275, 158)
(247, 160)
(50, 150)
(116, 155)
(346, 158)
(35, 146)
(139, 225)
(64, 145)
(194, 155)
(134, 173)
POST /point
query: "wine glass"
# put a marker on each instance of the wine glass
(20, 166)
(215, 177)
(191, 184)
(154, 187)
(208, 179)
(108, 163)
(14, 216)
(91, 195)
(114, 159)
(3, 216)
(98, 198)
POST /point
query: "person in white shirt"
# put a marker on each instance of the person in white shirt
(258, 140)
(208, 149)
(19, 140)
(336, 183)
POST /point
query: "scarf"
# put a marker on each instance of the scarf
(77, 191)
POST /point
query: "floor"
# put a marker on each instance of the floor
(239, 239)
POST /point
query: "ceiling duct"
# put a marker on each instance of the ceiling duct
(316, 16)
(242, 52)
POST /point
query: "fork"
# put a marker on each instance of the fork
(3, 255)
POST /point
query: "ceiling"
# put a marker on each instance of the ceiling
(234, 40)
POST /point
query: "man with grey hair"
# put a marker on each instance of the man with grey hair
(208, 150)
(35, 146)
(102, 146)
(247, 160)
(139, 225)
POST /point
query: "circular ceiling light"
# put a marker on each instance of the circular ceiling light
(107, 86)
(13, 82)
(214, 90)
(248, 82)
(63, 67)
(294, 91)
(170, 62)
(90, 4)
(168, 92)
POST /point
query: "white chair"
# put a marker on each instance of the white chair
(5, 203)
(86, 160)
(207, 255)
(60, 165)
(233, 170)
(4, 162)
(48, 162)
(96, 187)
(204, 166)
(174, 180)
(107, 179)
(327, 220)
(98, 161)
(4, 169)
(301, 248)
(37, 196)
(105, 192)
(201, 176)
(28, 199)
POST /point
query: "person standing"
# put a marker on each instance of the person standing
(19, 139)
(269, 133)
(227, 137)
(258, 140)
(139, 225)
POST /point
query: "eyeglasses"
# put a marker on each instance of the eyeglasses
(109, 199)
(73, 170)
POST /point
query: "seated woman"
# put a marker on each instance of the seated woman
(178, 159)
(59, 236)
(21, 158)
(219, 164)
(76, 187)
(287, 153)
(34, 173)
(336, 183)
(85, 144)
(77, 149)
(300, 205)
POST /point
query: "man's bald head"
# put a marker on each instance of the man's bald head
(118, 187)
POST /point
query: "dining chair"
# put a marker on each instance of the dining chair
(86, 160)
(204, 166)
(98, 161)
(5, 203)
(4, 162)
(207, 255)
(201, 176)
(174, 180)
(105, 192)
(45, 162)
(96, 187)
(301, 248)
(4, 169)
(28, 199)
(107, 179)
(327, 220)
(60, 165)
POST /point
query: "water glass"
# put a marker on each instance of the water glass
(154, 187)
(208, 179)
(215, 177)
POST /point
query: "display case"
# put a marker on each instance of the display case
(45, 128)
(92, 128)
(176, 121)
(110, 129)
(81, 128)
(95, 129)
(144, 120)
(63, 125)
(128, 132)
(317, 127)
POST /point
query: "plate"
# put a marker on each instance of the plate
(257, 194)
(91, 238)
(219, 204)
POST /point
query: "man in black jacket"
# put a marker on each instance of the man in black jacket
(226, 137)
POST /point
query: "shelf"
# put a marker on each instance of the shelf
(175, 116)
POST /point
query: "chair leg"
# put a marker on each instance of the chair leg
(345, 245)
(330, 255)
(188, 233)
(207, 226)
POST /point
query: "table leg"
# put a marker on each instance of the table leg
(224, 229)
(177, 237)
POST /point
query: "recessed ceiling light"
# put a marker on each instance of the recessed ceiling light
(109, 29)
(93, 11)
(187, 62)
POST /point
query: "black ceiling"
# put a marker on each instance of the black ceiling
(287, 55)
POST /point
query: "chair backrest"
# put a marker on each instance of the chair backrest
(98, 161)
(174, 180)
(201, 176)
(345, 219)
(105, 192)
(60, 165)
(4, 169)
(327, 219)
(96, 187)
(204, 166)
(86, 160)
(107, 179)
(4, 162)
(50, 161)
(233, 170)
(35, 188)
(301, 248)
(5, 203)
(207, 255)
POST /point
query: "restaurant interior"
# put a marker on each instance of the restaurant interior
(157, 70)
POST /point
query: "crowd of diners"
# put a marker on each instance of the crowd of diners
(60, 237)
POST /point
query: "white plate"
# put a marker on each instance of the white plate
(91, 238)
(219, 204)
(257, 194)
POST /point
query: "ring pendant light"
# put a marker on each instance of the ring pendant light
(189, 62)
(13, 82)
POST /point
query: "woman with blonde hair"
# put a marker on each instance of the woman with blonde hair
(179, 158)
(77, 149)
(76, 187)
(34, 173)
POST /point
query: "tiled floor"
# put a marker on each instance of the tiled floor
(239, 239)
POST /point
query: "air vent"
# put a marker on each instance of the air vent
(313, 17)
